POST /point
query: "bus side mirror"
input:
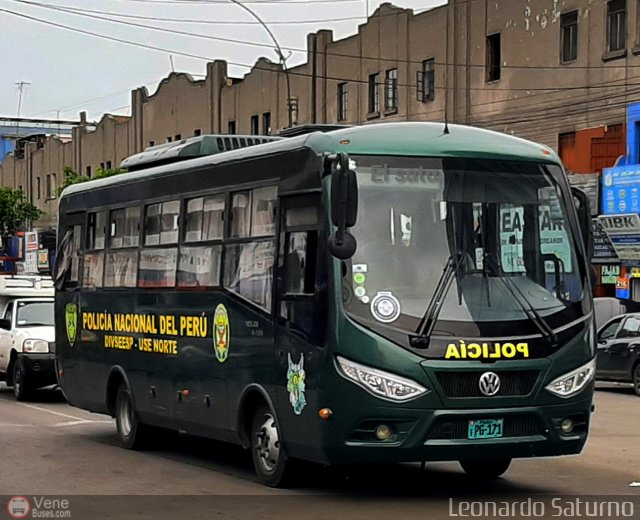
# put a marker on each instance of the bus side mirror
(344, 207)
(583, 210)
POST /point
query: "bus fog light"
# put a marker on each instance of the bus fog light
(383, 432)
(567, 426)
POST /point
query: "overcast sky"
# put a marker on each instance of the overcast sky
(69, 71)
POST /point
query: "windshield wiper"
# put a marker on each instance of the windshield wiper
(525, 304)
(421, 339)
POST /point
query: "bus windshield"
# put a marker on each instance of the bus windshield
(490, 240)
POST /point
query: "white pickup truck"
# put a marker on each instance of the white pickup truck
(27, 333)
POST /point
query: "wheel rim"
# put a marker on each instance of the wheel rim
(268, 443)
(17, 380)
(125, 415)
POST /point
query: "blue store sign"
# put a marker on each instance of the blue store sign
(621, 190)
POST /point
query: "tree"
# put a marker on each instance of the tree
(70, 176)
(15, 211)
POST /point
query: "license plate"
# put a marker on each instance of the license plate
(485, 428)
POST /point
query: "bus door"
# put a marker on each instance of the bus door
(300, 315)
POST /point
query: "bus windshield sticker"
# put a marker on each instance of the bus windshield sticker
(296, 384)
(71, 320)
(385, 307)
(360, 292)
(486, 350)
(359, 268)
(221, 333)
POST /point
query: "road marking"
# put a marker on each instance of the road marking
(634, 484)
(82, 421)
(53, 412)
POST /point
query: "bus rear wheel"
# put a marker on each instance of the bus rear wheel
(486, 469)
(269, 460)
(132, 433)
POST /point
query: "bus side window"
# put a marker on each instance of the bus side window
(67, 268)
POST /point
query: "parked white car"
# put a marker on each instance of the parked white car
(27, 333)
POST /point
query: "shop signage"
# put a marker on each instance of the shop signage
(624, 233)
(621, 189)
(603, 251)
(609, 274)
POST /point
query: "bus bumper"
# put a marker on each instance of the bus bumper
(442, 435)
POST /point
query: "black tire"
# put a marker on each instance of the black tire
(270, 462)
(485, 469)
(21, 387)
(636, 379)
(132, 433)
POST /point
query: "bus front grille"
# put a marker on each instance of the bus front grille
(451, 428)
(513, 383)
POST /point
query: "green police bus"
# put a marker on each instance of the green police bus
(382, 293)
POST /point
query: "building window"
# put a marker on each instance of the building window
(38, 187)
(569, 37)
(152, 143)
(88, 171)
(342, 101)
(48, 186)
(426, 81)
(102, 166)
(197, 132)
(374, 95)
(108, 165)
(266, 123)
(616, 25)
(169, 139)
(53, 186)
(391, 89)
(493, 57)
(255, 125)
(231, 127)
(178, 137)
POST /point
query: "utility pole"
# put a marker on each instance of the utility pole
(21, 86)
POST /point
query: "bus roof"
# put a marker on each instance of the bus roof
(401, 139)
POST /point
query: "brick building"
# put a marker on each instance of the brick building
(560, 72)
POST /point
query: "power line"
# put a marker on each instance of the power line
(263, 2)
(213, 22)
(88, 13)
(244, 65)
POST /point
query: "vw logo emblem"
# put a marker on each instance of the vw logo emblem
(489, 383)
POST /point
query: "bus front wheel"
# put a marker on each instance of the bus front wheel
(271, 464)
(132, 433)
(486, 469)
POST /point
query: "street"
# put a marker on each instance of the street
(52, 449)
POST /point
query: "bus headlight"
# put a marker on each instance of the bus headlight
(571, 383)
(380, 383)
(35, 345)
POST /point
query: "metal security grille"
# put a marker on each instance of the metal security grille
(465, 384)
(450, 428)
